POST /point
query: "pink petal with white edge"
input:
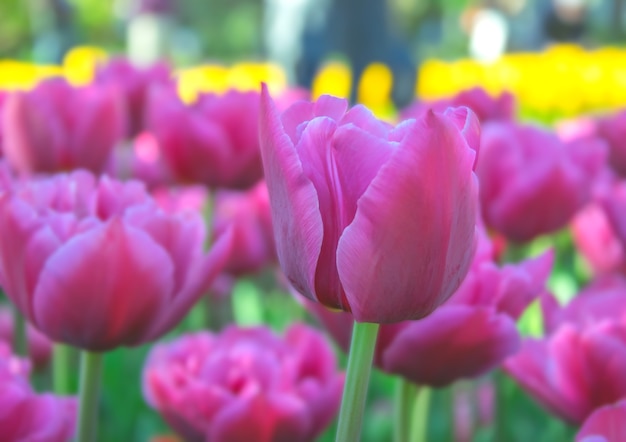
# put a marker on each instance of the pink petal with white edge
(295, 205)
(413, 236)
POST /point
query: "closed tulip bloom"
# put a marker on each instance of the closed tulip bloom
(531, 183)
(486, 107)
(213, 141)
(26, 416)
(245, 385)
(134, 82)
(247, 214)
(56, 127)
(97, 264)
(368, 218)
(606, 424)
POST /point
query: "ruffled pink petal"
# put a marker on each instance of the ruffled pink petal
(397, 264)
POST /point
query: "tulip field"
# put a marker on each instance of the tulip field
(208, 254)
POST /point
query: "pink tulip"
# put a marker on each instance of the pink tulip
(612, 128)
(26, 416)
(371, 219)
(247, 214)
(39, 346)
(245, 385)
(97, 264)
(578, 367)
(468, 336)
(530, 182)
(486, 107)
(134, 83)
(213, 141)
(141, 159)
(57, 127)
(606, 424)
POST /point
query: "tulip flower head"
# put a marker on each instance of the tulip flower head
(56, 127)
(245, 385)
(97, 264)
(369, 218)
(26, 415)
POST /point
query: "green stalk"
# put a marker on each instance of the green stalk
(403, 409)
(90, 373)
(20, 340)
(421, 408)
(364, 335)
(61, 354)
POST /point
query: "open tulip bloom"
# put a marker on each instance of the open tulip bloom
(376, 220)
(97, 264)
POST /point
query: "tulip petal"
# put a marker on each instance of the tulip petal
(103, 286)
(295, 206)
(606, 424)
(453, 343)
(412, 239)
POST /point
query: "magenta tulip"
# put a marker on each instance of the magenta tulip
(530, 182)
(97, 264)
(612, 128)
(57, 127)
(134, 83)
(245, 385)
(247, 214)
(213, 141)
(26, 416)
(371, 219)
(486, 107)
(578, 367)
(606, 424)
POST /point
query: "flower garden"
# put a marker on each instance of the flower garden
(210, 254)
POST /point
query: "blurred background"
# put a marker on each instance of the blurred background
(301, 36)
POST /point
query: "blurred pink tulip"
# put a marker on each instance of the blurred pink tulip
(134, 82)
(612, 128)
(213, 141)
(97, 264)
(371, 219)
(245, 385)
(485, 106)
(530, 182)
(579, 365)
(26, 416)
(606, 424)
(248, 215)
(56, 127)
(39, 346)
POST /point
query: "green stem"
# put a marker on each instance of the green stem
(90, 371)
(421, 407)
(20, 340)
(364, 336)
(403, 404)
(61, 355)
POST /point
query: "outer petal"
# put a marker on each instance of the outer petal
(269, 418)
(468, 124)
(605, 424)
(103, 288)
(295, 206)
(454, 342)
(412, 239)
